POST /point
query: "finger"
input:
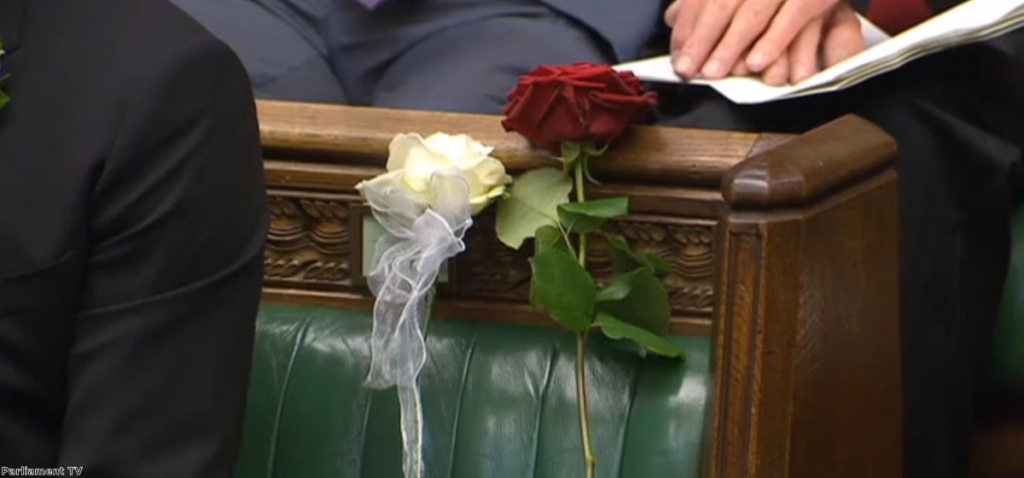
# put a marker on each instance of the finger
(790, 20)
(672, 12)
(686, 14)
(708, 29)
(777, 73)
(843, 37)
(740, 68)
(684, 17)
(803, 53)
(750, 21)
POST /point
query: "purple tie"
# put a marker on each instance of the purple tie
(370, 4)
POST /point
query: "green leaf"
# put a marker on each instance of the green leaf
(564, 289)
(625, 259)
(570, 153)
(657, 263)
(549, 238)
(621, 254)
(638, 298)
(532, 203)
(589, 216)
(616, 329)
(618, 289)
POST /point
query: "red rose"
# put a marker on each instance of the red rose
(582, 102)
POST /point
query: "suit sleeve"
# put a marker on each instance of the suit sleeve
(159, 368)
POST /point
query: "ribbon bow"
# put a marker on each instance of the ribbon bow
(421, 236)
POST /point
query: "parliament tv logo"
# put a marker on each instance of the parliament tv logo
(26, 471)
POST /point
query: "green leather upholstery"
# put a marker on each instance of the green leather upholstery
(1009, 331)
(499, 402)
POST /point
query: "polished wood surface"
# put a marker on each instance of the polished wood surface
(807, 338)
(807, 320)
(316, 154)
(822, 162)
(784, 250)
(361, 136)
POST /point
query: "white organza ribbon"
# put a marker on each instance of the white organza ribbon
(422, 233)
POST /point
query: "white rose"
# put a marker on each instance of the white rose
(413, 160)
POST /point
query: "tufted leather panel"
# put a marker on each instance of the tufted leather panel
(499, 402)
(1009, 331)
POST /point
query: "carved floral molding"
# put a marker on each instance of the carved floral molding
(315, 243)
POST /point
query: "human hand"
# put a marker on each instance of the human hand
(705, 45)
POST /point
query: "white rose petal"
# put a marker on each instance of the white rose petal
(413, 160)
(389, 192)
(410, 153)
(481, 202)
(462, 151)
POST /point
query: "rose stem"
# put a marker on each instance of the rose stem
(581, 394)
(581, 197)
(581, 345)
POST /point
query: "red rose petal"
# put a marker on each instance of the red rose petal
(578, 102)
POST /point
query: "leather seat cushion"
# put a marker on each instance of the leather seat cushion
(499, 401)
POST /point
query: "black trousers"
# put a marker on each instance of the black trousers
(958, 118)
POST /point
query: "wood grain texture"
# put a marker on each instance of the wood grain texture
(808, 359)
(316, 154)
(315, 243)
(360, 136)
(823, 161)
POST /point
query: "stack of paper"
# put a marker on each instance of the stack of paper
(969, 22)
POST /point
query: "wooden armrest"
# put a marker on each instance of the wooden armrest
(361, 136)
(820, 162)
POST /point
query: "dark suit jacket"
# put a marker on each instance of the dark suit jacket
(131, 235)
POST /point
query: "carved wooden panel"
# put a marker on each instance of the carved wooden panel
(494, 270)
(315, 243)
(310, 243)
(687, 244)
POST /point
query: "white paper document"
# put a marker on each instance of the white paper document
(969, 22)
